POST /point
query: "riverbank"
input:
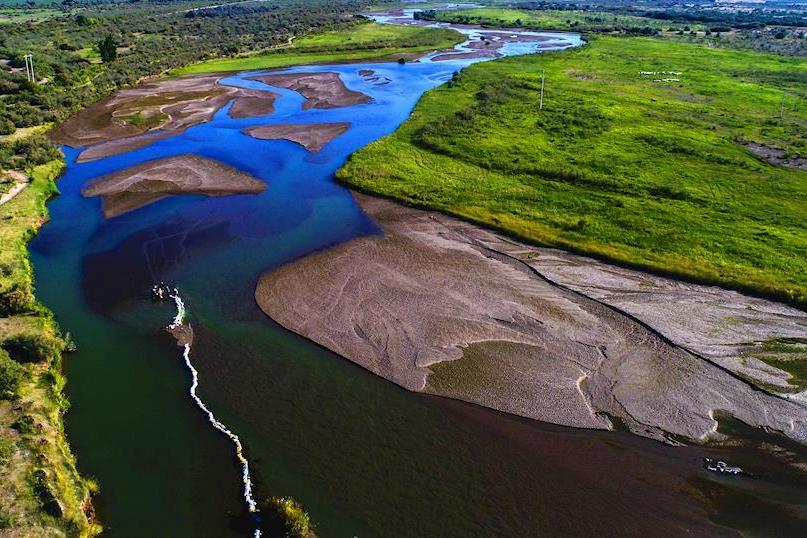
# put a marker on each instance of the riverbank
(42, 493)
(625, 163)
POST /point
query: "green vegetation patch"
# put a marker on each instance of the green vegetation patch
(42, 493)
(636, 158)
(360, 42)
(551, 19)
(787, 354)
(283, 516)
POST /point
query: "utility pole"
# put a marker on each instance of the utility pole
(29, 67)
(541, 104)
(782, 107)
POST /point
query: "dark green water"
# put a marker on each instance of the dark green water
(365, 457)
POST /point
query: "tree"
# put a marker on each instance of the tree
(108, 48)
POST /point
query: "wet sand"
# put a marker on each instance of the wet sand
(312, 136)
(121, 145)
(145, 183)
(441, 306)
(136, 117)
(322, 90)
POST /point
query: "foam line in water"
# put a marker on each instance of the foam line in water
(239, 449)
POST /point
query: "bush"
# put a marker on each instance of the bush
(15, 301)
(284, 517)
(44, 493)
(31, 347)
(11, 375)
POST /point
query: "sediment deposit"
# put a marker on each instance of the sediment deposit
(322, 90)
(312, 136)
(441, 306)
(145, 183)
(136, 117)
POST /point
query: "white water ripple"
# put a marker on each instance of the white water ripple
(239, 449)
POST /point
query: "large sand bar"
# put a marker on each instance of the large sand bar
(312, 136)
(322, 90)
(148, 182)
(136, 117)
(441, 306)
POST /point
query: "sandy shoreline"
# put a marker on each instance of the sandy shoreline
(440, 306)
(312, 136)
(145, 183)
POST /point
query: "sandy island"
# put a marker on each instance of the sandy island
(441, 306)
(322, 90)
(466, 55)
(312, 136)
(145, 183)
(136, 117)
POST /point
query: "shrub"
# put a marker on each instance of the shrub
(11, 375)
(31, 347)
(6, 451)
(15, 301)
(284, 517)
(26, 425)
(44, 493)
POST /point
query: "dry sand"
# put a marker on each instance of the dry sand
(441, 306)
(162, 109)
(148, 182)
(312, 136)
(322, 90)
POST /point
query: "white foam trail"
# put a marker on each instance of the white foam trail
(239, 449)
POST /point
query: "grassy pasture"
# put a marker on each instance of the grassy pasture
(618, 164)
(358, 43)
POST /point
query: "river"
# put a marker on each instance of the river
(365, 457)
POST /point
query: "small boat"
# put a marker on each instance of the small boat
(721, 467)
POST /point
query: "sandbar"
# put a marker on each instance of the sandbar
(466, 55)
(322, 90)
(135, 117)
(145, 183)
(438, 305)
(312, 136)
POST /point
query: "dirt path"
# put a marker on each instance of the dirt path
(15, 190)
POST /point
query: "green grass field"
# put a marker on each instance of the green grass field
(582, 21)
(358, 43)
(642, 173)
